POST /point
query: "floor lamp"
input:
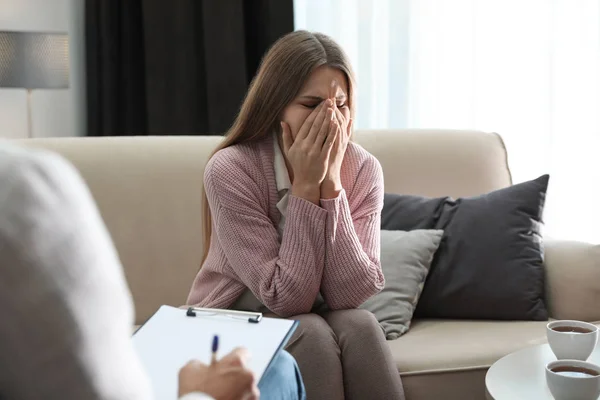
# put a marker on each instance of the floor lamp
(34, 60)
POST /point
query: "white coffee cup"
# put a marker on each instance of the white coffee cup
(565, 383)
(568, 343)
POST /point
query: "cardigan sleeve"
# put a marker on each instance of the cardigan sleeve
(352, 271)
(284, 276)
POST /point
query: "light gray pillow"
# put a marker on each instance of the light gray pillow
(405, 261)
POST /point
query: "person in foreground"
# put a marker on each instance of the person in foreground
(65, 310)
(292, 214)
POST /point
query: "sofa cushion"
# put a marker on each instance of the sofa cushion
(448, 345)
(405, 261)
(490, 262)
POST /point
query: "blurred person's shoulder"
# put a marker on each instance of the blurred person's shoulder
(30, 176)
(34, 184)
(23, 166)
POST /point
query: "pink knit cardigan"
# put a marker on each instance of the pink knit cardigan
(332, 248)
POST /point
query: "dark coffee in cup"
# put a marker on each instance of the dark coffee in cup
(573, 379)
(575, 372)
(571, 329)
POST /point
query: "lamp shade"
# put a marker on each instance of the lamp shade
(34, 60)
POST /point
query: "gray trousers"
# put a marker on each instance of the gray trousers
(341, 354)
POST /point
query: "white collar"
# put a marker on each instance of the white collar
(282, 177)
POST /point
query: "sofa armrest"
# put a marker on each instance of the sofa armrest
(572, 280)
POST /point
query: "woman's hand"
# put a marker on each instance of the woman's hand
(227, 379)
(332, 184)
(309, 153)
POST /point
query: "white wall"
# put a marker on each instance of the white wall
(54, 112)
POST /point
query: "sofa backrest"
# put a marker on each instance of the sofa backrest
(149, 189)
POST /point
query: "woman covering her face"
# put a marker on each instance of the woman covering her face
(292, 218)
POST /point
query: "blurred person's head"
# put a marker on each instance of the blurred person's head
(299, 71)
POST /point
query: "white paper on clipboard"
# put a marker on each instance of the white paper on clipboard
(170, 338)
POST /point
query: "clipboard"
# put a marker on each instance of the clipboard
(174, 336)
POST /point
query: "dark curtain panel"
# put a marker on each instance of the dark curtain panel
(157, 67)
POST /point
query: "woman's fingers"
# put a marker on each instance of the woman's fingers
(324, 130)
(308, 123)
(331, 138)
(340, 117)
(325, 113)
(286, 135)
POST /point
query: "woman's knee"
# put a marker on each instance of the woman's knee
(365, 320)
(354, 321)
(315, 330)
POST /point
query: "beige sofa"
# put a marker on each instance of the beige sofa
(149, 192)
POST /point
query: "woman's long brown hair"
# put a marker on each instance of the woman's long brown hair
(282, 73)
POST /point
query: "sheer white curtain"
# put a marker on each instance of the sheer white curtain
(528, 69)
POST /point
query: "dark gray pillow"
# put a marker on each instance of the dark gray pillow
(490, 262)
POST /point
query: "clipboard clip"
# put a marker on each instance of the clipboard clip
(253, 317)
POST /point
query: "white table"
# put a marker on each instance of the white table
(521, 375)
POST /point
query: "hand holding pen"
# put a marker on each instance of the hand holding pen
(225, 379)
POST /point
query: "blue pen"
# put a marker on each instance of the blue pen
(215, 348)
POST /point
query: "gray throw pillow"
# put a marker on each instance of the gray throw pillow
(490, 262)
(405, 261)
